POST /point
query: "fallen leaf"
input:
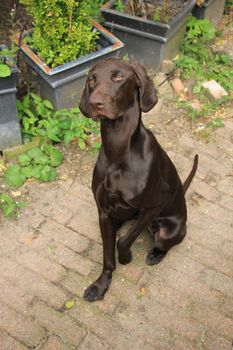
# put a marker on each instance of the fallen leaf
(69, 304)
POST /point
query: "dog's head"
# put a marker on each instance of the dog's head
(113, 86)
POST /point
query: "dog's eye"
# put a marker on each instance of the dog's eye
(118, 77)
(91, 81)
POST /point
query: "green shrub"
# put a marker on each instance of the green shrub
(38, 163)
(37, 117)
(196, 58)
(62, 29)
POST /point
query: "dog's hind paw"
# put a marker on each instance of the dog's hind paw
(155, 256)
(125, 258)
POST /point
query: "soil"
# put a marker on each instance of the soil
(153, 10)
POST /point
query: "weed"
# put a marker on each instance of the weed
(38, 163)
(38, 117)
(196, 58)
(9, 206)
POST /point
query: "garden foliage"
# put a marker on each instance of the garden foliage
(62, 31)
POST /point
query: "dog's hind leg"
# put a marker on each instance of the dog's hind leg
(171, 232)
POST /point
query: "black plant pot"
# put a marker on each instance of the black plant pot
(9, 123)
(211, 10)
(63, 84)
(145, 40)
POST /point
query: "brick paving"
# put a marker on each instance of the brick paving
(53, 251)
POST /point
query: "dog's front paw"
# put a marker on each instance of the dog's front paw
(155, 256)
(125, 258)
(94, 292)
(98, 288)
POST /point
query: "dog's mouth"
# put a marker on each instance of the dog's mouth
(98, 117)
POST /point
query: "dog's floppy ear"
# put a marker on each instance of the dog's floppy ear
(83, 105)
(148, 96)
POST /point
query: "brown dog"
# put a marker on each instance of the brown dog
(133, 176)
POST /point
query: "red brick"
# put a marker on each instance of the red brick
(218, 281)
(218, 323)
(58, 323)
(65, 236)
(22, 328)
(8, 343)
(213, 90)
(86, 214)
(40, 264)
(31, 283)
(54, 343)
(71, 260)
(178, 86)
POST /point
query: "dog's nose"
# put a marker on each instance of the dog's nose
(99, 105)
(96, 101)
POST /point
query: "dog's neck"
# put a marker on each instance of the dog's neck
(119, 134)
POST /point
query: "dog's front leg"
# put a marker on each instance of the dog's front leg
(97, 289)
(124, 243)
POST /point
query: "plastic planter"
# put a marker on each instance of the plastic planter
(9, 123)
(147, 41)
(211, 10)
(63, 84)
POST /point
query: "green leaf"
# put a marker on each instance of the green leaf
(4, 71)
(47, 174)
(36, 172)
(81, 144)
(8, 209)
(21, 204)
(35, 153)
(13, 176)
(28, 171)
(53, 134)
(69, 304)
(24, 159)
(56, 157)
(68, 137)
(48, 104)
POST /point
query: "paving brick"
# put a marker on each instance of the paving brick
(71, 260)
(14, 297)
(227, 307)
(65, 236)
(57, 212)
(8, 343)
(55, 343)
(58, 323)
(22, 328)
(214, 211)
(205, 190)
(225, 185)
(31, 283)
(210, 240)
(40, 264)
(195, 216)
(91, 341)
(213, 90)
(218, 261)
(168, 66)
(226, 202)
(102, 325)
(178, 86)
(77, 284)
(86, 214)
(218, 281)
(216, 322)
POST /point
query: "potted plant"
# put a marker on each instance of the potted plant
(64, 43)
(150, 30)
(209, 9)
(9, 123)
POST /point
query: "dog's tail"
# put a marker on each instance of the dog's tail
(191, 174)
